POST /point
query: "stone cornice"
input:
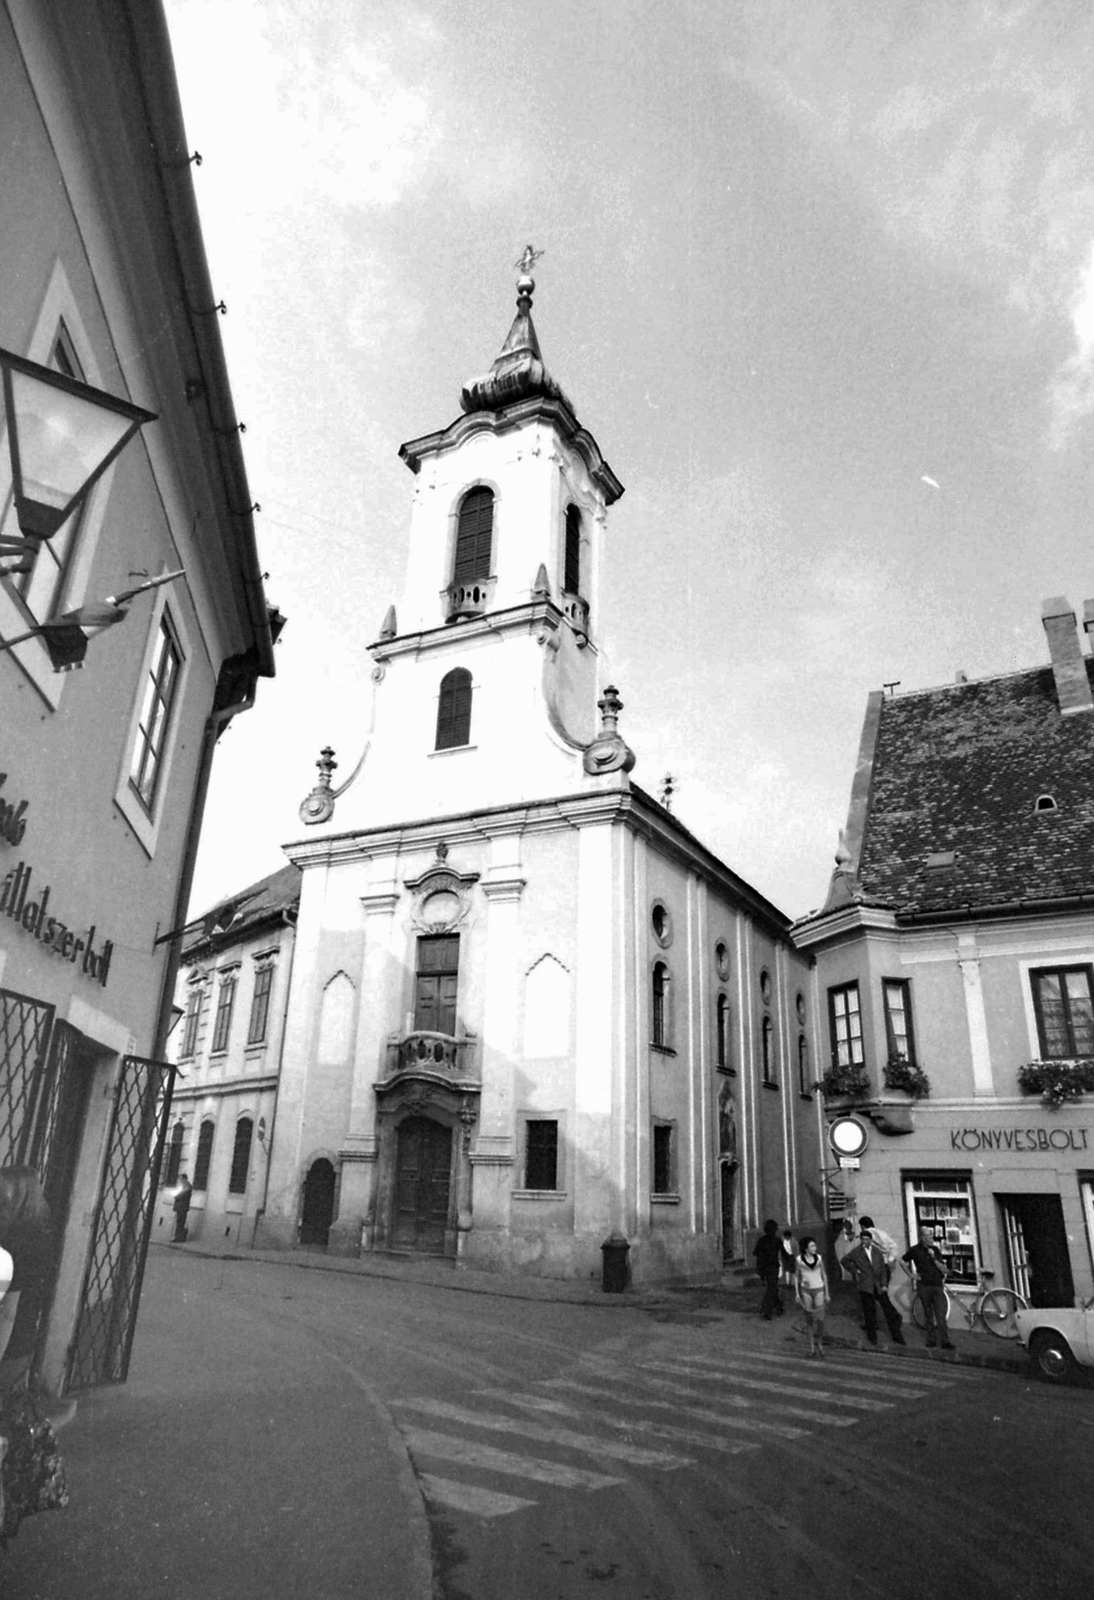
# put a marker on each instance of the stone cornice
(532, 617)
(822, 926)
(536, 409)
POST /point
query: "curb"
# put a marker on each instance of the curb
(947, 1358)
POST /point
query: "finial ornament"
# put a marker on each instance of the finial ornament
(668, 789)
(609, 752)
(319, 805)
(528, 260)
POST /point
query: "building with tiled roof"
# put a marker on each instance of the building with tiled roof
(230, 1001)
(955, 972)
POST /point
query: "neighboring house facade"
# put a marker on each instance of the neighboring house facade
(957, 945)
(230, 998)
(529, 1010)
(103, 772)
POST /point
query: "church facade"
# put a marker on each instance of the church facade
(529, 1012)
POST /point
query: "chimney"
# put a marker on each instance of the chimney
(1065, 653)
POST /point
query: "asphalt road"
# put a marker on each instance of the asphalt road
(290, 1432)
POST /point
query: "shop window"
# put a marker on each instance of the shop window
(173, 1164)
(897, 993)
(474, 536)
(663, 1174)
(541, 1153)
(241, 1156)
(222, 1024)
(157, 708)
(845, 1019)
(767, 1049)
(659, 1006)
(454, 710)
(190, 1026)
(721, 1033)
(942, 1205)
(1064, 1007)
(204, 1156)
(435, 984)
(260, 1004)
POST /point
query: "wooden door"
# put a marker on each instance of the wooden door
(422, 1177)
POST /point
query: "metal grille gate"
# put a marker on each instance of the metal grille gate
(24, 1037)
(103, 1341)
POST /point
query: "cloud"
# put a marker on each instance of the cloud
(967, 129)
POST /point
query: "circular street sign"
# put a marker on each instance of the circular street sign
(848, 1136)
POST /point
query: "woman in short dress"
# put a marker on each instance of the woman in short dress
(812, 1293)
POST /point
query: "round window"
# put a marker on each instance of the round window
(721, 961)
(441, 909)
(800, 1005)
(765, 987)
(661, 923)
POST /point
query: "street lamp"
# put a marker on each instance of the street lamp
(66, 637)
(62, 436)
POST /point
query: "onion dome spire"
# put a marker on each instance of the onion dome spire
(518, 373)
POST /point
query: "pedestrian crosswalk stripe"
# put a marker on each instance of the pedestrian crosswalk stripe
(898, 1370)
(808, 1372)
(738, 1380)
(467, 1497)
(724, 1418)
(444, 1447)
(613, 1449)
(691, 1437)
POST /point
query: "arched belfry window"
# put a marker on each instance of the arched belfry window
(571, 578)
(474, 536)
(454, 710)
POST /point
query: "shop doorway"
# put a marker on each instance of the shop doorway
(423, 1173)
(1040, 1265)
(318, 1212)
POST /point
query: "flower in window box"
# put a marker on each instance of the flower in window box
(850, 1080)
(900, 1073)
(1057, 1082)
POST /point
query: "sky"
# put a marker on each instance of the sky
(818, 277)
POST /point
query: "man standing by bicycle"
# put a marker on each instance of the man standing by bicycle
(925, 1259)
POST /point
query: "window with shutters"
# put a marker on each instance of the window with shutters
(204, 1156)
(571, 578)
(454, 710)
(260, 1004)
(474, 536)
(223, 1023)
(435, 984)
(241, 1156)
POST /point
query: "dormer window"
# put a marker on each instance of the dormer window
(1044, 802)
(571, 578)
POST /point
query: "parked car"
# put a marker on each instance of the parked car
(1060, 1339)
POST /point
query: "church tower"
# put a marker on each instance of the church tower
(486, 678)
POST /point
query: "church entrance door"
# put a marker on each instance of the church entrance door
(318, 1212)
(422, 1174)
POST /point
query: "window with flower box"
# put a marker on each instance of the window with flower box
(1063, 1003)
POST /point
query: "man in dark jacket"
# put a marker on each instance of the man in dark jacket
(768, 1253)
(181, 1207)
(930, 1277)
(867, 1265)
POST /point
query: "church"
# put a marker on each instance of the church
(530, 1012)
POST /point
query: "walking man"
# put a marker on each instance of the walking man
(181, 1207)
(867, 1265)
(768, 1253)
(925, 1259)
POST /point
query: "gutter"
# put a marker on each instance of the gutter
(968, 912)
(162, 110)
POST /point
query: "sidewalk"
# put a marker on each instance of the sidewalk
(727, 1294)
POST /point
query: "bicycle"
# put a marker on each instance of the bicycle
(994, 1308)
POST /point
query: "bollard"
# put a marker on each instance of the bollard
(616, 1273)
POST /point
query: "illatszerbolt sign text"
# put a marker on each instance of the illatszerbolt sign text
(33, 915)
